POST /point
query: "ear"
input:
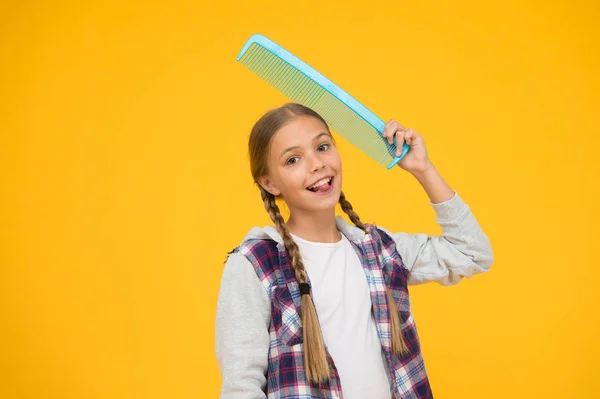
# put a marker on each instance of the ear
(268, 185)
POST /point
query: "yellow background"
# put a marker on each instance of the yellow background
(124, 181)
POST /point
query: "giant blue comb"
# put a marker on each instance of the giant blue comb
(304, 85)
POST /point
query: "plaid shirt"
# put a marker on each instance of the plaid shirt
(383, 268)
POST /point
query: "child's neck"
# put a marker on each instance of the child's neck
(316, 227)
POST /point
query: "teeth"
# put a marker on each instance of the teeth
(321, 182)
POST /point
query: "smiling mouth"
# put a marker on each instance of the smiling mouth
(324, 185)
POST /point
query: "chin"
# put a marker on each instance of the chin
(327, 203)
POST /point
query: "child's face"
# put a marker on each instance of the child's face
(302, 154)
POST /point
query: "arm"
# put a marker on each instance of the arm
(461, 251)
(242, 331)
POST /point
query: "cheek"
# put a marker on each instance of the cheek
(336, 161)
(291, 178)
(298, 177)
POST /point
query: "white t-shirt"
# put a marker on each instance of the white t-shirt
(343, 304)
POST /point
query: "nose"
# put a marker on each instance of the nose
(316, 163)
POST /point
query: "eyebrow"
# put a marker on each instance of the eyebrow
(295, 147)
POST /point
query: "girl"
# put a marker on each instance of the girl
(316, 307)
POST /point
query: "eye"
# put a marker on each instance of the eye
(323, 147)
(291, 161)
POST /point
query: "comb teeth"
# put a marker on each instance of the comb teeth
(301, 89)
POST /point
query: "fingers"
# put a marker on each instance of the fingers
(393, 131)
(409, 136)
(400, 141)
(390, 130)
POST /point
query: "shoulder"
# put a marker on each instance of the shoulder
(237, 266)
(385, 248)
(381, 235)
(258, 250)
(260, 255)
(388, 244)
(242, 294)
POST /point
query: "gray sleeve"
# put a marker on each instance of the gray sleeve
(462, 250)
(242, 331)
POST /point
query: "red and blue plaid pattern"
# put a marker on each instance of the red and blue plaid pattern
(383, 268)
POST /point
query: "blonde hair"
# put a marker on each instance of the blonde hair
(315, 358)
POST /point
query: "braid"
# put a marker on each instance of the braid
(290, 246)
(347, 207)
(315, 358)
(398, 345)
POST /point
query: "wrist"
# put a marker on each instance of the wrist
(426, 170)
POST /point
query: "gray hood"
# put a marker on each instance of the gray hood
(352, 232)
